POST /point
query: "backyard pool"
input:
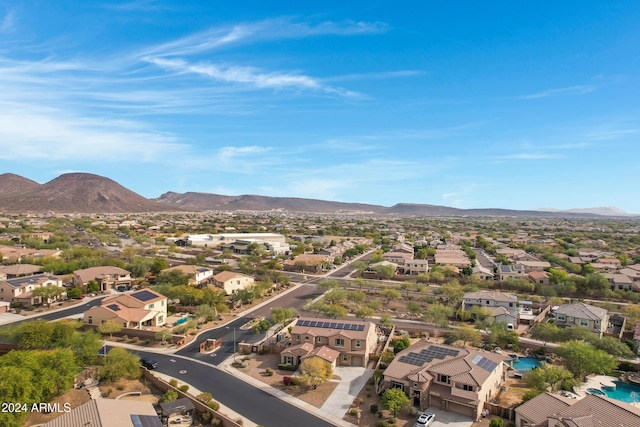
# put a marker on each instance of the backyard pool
(624, 392)
(526, 363)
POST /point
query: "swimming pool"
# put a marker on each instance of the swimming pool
(624, 392)
(526, 363)
(596, 391)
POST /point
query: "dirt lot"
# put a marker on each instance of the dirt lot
(74, 397)
(313, 397)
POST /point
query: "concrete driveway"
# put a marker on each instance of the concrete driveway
(352, 381)
(448, 419)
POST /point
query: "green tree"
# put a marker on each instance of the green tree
(17, 386)
(48, 294)
(205, 313)
(386, 320)
(545, 332)
(74, 293)
(163, 335)
(395, 400)
(85, 347)
(438, 315)
(452, 291)
(583, 359)
(110, 327)
(465, 334)
(414, 307)
(314, 371)
(334, 311)
(401, 344)
(391, 294)
(335, 296)
(119, 363)
(502, 337)
(282, 315)
(496, 422)
(364, 312)
(34, 335)
(172, 278)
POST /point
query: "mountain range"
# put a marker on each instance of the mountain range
(88, 193)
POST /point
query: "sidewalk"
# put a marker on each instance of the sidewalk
(226, 365)
(7, 318)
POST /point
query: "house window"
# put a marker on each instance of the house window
(444, 379)
(319, 339)
(160, 319)
(90, 320)
(395, 384)
(584, 322)
(487, 302)
(162, 303)
(339, 342)
(561, 317)
(358, 343)
(569, 318)
(467, 387)
(306, 338)
(345, 357)
(510, 304)
(151, 306)
(288, 360)
(298, 337)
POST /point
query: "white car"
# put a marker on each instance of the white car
(425, 419)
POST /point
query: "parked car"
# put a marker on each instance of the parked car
(148, 363)
(425, 419)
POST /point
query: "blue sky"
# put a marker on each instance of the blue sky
(468, 104)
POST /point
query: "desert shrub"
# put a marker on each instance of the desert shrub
(173, 382)
(214, 405)
(206, 417)
(353, 412)
(287, 367)
(204, 397)
(169, 396)
(496, 422)
(216, 422)
(147, 342)
(184, 388)
(270, 372)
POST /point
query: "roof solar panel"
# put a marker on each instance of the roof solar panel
(114, 307)
(144, 295)
(340, 326)
(361, 327)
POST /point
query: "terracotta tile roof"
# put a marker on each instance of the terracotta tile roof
(299, 349)
(223, 276)
(92, 273)
(490, 295)
(107, 413)
(606, 412)
(324, 352)
(329, 332)
(581, 310)
(541, 407)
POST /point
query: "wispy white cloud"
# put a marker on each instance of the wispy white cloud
(8, 21)
(272, 29)
(249, 75)
(378, 75)
(226, 154)
(607, 135)
(26, 133)
(530, 156)
(137, 6)
(565, 91)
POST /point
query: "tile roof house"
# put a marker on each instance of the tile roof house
(311, 263)
(415, 266)
(108, 277)
(619, 281)
(547, 410)
(596, 319)
(506, 271)
(143, 308)
(447, 377)
(353, 340)
(539, 277)
(109, 413)
(231, 281)
(20, 289)
(488, 299)
(18, 270)
(198, 275)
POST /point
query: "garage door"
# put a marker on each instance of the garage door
(462, 409)
(356, 361)
(436, 401)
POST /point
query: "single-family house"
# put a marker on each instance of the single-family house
(415, 266)
(231, 281)
(530, 266)
(18, 270)
(308, 263)
(550, 410)
(136, 310)
(482, 273)
(447, 377)
(198, 275)
(488, 299)
(619, 281)
(539, 277)
(109, 413)
(354, 341)
(596, 319)
(506, 271)
(20, 289)
(403, 247)
(397, 257)
(107, 277)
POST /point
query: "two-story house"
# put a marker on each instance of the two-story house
(107, 277)
(596, 319)
(137, 310)
(20, 289)
(415, 266)
(231, 281)
(198, 275)
(353, 340)
(447, 377)
(489, 299)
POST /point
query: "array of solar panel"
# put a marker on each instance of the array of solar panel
(144, 295)
(427, 355)
(331, 325)
(484, 363)
(114, 307)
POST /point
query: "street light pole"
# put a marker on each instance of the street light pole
(234, 343)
